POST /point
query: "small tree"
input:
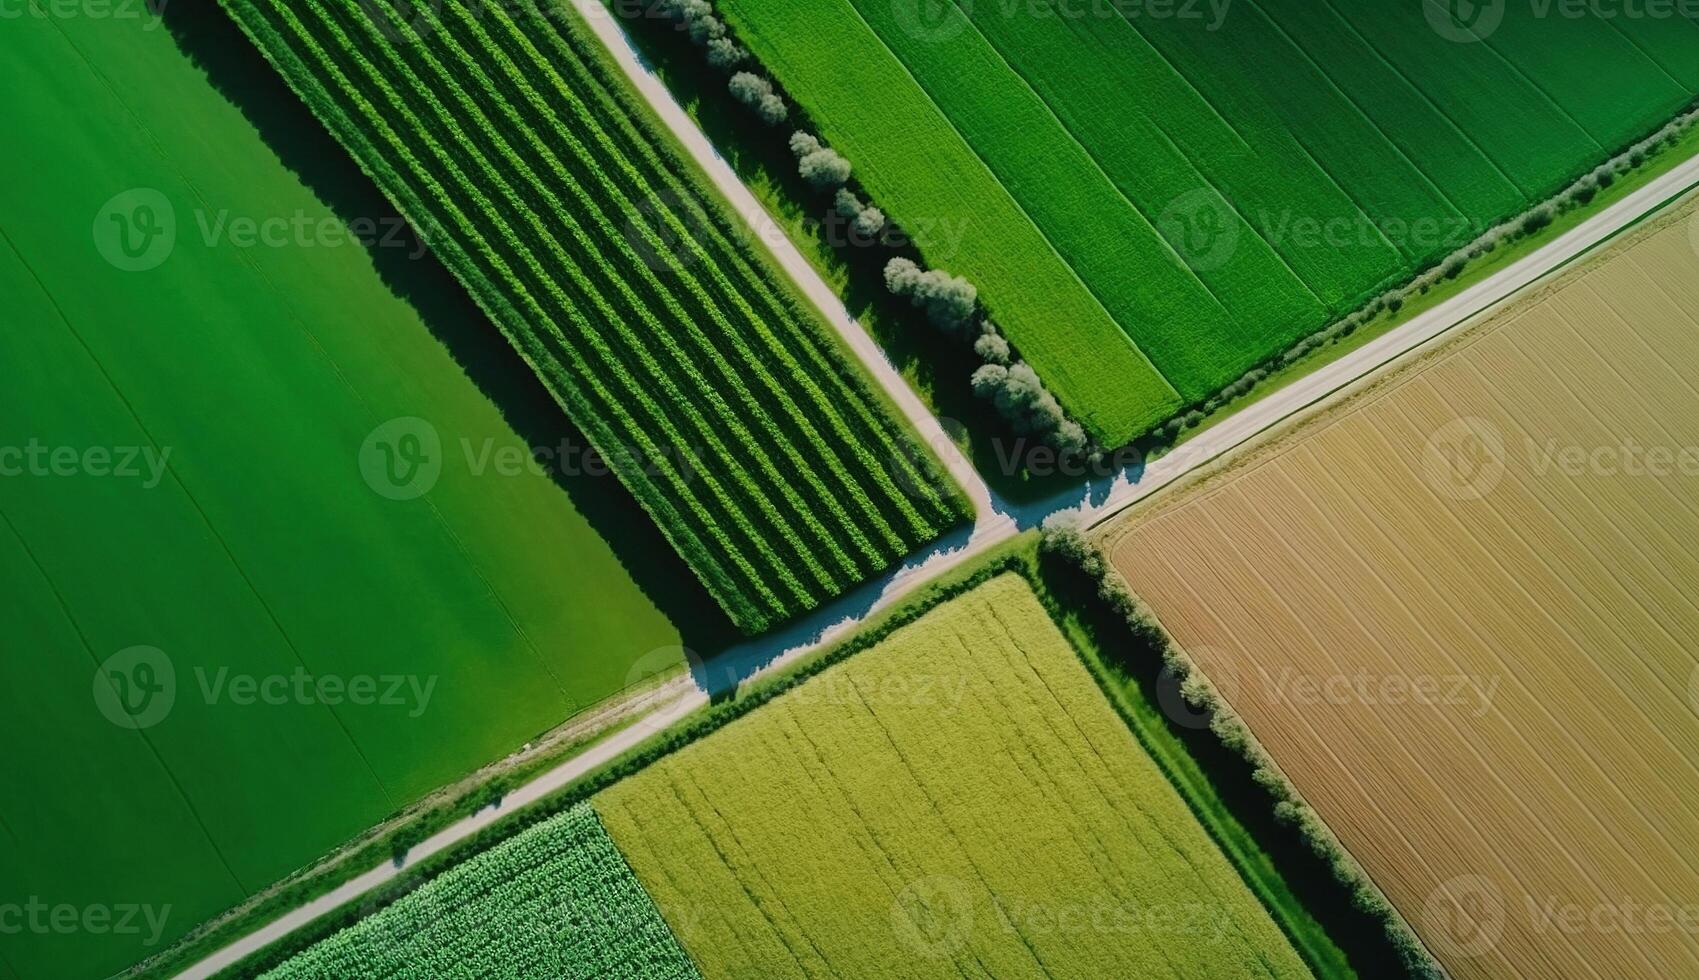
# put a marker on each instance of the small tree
(866, 220)
(820, 165)
(724, 53)
(949, 301)
(757, 93)
(991, 347)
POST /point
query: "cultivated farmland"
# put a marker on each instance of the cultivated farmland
(720, 400)
(1460, 611)
(242, 540)
(555, 901)
(1196, 191)
(957, 799)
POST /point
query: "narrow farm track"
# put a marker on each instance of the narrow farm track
(997, 519)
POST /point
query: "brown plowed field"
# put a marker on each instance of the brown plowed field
(1461, 610)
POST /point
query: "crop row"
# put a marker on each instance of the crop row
(719, 401)
(557, 900)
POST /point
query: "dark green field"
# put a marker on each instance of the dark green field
(261, 549)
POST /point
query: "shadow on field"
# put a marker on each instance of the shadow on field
(238, 71)
(936, 365)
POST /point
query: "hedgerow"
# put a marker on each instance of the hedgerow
(1062, 538)
(741, 428)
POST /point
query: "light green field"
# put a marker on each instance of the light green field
(958, 799)
(1204, 184)
(261, 550)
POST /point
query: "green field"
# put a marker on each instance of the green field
(958, 799)
(555, 901)
(1199, 190)
(261, 549)
(722, 400)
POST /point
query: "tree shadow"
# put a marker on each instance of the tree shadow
(236, 70)
(937, 366)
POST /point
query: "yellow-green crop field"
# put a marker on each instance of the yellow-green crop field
(959, 799)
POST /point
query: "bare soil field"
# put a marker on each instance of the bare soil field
(1461, 611)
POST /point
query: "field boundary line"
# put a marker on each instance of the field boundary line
(1414, 338)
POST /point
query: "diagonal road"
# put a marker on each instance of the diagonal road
(997, 519)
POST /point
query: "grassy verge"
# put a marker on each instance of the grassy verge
(390, 843)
